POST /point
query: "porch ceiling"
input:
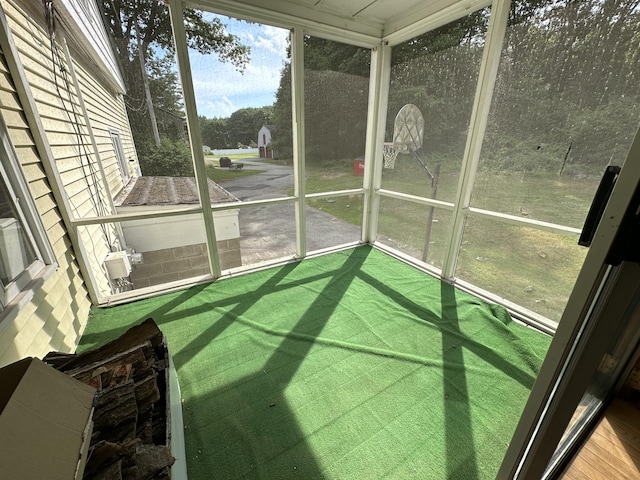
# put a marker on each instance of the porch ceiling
(368, 19)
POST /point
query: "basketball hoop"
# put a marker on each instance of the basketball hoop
(390, 153)
(408, 132)
(408, 129)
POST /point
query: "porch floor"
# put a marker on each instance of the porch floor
(349, 365)
(613, 448)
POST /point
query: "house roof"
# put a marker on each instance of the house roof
(172, 191)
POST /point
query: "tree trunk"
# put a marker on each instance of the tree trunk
(147, 93)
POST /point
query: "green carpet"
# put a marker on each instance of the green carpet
(348, 366)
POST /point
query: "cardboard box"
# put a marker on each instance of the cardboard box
(45, 422)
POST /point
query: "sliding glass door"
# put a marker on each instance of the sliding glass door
(595, 337)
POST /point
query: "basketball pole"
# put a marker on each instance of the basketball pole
(434, 192)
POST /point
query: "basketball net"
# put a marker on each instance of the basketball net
(390, 153)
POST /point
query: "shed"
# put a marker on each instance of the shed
(265, 136)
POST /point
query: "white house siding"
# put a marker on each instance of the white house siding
(73, 153)
(58, 311)
(56, 315)
(107, 112)
(87, 25)
(61, 113)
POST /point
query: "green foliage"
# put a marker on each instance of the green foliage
(237, 131)
(467, 30)
(336, 87)
(214, 132)
(335, 114)
(172, 159)
(597, 132)
(283, 142)
(568, 89)
(145, 26)
(164, 85)
(150, 19)
(325, 55)
(243, 124)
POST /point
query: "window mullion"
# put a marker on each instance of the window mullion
(479, 117)
(376, 120)
(197, 154)
(297, 108)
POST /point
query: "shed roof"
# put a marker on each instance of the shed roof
(172, 191)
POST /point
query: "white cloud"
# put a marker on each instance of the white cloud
(220, 89)
(273, 40)
(221, 108)
(256, 78)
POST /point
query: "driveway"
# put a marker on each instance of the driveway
(268, 231)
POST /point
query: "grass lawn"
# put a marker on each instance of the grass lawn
(219, 175)
(335, 175)
(347, 208)
(532, 268)
(235, 156)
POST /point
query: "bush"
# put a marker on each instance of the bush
(172, 159)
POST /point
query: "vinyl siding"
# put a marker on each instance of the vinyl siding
(57, 105)
(56, 315)
(68, 131)
(58, 311)
(87, 24)
(107, 112)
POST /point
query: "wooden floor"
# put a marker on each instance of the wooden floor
(613, 449)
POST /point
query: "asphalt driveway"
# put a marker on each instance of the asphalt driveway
(268, 231)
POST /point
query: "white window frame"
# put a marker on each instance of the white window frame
(17, 292)
(120, 157)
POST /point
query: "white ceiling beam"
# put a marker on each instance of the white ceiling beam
(428, 16)
(278, 13)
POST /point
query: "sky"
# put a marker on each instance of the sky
(221, 90)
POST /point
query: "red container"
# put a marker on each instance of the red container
(358, 166)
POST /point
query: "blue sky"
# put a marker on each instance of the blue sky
(221, 90)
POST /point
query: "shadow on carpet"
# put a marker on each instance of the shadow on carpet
(350, 365)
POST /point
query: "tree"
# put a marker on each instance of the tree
(167, 99)
(336, 91)
(215, 132)
(569, 78)
(243, 124)
(169, 159)
(335, 114)
(283, 142)
(142, 41)
(336, 88)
